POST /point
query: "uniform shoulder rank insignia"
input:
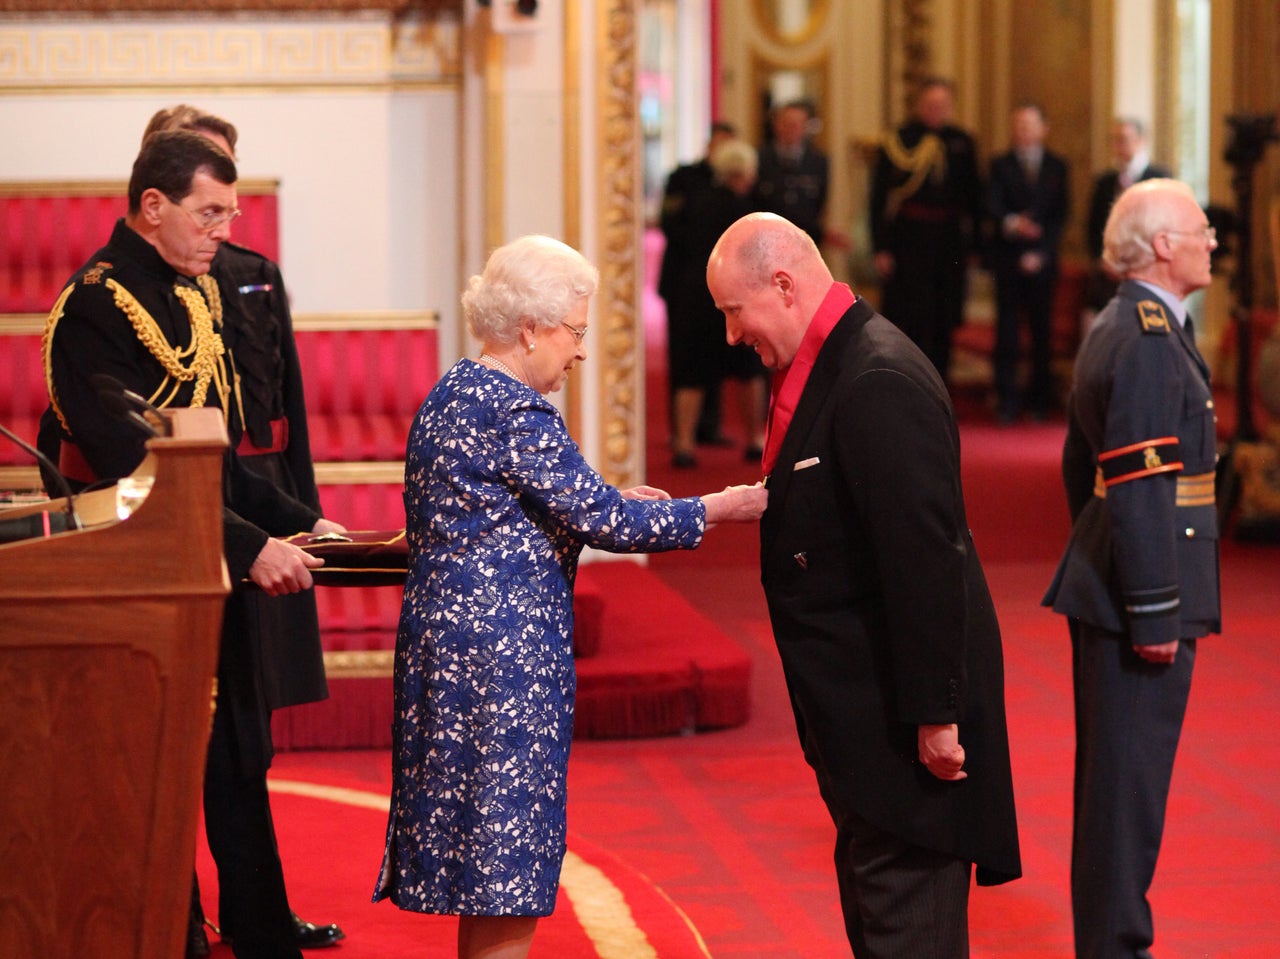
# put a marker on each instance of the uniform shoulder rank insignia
(94, 273)
(1154, 319)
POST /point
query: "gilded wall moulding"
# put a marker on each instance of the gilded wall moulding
(239, 52)
(619, 230)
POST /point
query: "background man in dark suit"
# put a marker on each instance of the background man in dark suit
(1139, 578)
(888, 639)
(1131, 164)
(1027, 193)
(927, 205)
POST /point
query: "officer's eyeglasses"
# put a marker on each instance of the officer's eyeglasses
(207, 219)
(1208, 234)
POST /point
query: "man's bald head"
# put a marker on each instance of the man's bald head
(768, 278)
(761, 243)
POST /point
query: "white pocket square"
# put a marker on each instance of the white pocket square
(805, 464)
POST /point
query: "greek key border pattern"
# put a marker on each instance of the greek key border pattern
(228, 53)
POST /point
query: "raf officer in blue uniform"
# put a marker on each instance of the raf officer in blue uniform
(1139, 578)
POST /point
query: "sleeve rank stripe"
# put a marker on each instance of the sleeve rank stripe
(1137, 447)
(1152, 602)
(1140, 459)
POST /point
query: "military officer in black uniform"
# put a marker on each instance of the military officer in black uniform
(145, 311)
(1139, 579)
(793, 177)
(927, 202)
(257, 331)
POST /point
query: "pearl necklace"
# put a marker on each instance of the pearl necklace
(494, 361)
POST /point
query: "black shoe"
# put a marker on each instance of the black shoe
(684, 461)
(752, 454)
(714, 439)
(311, 936)
(197, 941)
(197, 946)
(307, 935)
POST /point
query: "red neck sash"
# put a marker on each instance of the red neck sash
(788, 384)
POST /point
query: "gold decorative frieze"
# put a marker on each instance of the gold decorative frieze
(227, 52)
(367, 320)
(617, 150)
(359, 663)
(360, 473)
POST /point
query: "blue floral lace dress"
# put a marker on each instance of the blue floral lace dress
(499, 503)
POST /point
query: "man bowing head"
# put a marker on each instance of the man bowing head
(880, 610)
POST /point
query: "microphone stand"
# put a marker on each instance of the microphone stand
(73, 519)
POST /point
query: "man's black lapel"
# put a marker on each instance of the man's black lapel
(826, 370)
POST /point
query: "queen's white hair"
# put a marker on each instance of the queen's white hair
(534, 277)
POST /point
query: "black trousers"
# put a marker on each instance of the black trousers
(253, 909)
(898, 899)
(1128, 721)
(925, 297)
(1023, 298)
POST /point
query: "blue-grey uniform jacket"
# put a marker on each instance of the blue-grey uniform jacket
(1139, 470)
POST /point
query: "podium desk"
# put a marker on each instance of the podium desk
(108, 653)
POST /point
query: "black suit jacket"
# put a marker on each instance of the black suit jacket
(258, 333)
(683, 185)
(879, 605)
(1106, 187)
(1044, 200)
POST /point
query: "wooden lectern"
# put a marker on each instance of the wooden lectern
(108, 652)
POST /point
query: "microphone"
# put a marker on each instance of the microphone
(73, 520)
(120, 395)
(119, 406)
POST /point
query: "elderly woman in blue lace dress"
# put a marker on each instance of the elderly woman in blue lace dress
(499, 504)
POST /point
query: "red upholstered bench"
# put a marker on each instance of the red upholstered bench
(365, 377)
(49, 229)
(22, 396)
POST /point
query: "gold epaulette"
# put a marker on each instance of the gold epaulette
(1153, 317)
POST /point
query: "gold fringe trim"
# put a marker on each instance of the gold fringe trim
(929, 158)
(46, 351)
(202, 361)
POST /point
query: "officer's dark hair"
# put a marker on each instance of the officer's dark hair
(928, 83)
(183, 116)
(169, 161)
